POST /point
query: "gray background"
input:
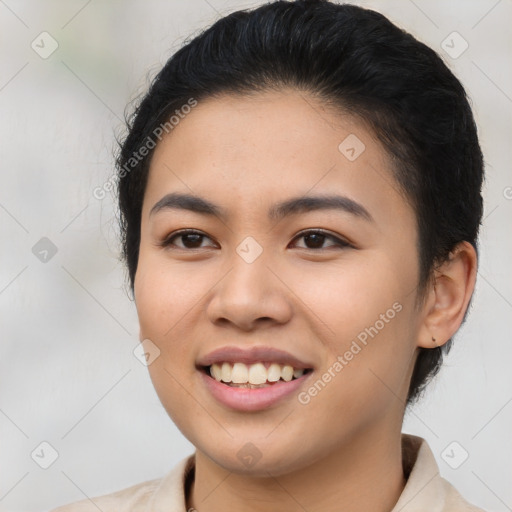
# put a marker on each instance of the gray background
(68, 375)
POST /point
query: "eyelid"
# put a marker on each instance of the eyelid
(339, 241)
(166, 242)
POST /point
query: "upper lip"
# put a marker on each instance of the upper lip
(252, 355)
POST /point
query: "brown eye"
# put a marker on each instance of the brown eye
(315, 239)
(189, 239)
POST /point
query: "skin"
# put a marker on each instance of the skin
(246, 153)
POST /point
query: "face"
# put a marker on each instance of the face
(258, 274)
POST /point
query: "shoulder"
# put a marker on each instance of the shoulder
(167, 493)
(454, 502)
(425, 488)
(133, 499)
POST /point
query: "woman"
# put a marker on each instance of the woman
(300, 201)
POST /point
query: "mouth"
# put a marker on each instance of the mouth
(253, 376)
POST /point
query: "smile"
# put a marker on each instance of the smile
(253, 376)
(247, 396)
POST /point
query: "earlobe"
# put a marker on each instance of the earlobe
(454, 282)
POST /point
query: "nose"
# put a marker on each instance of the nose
(250, 296)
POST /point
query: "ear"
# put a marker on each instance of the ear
(448, 297)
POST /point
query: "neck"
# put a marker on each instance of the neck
(364, 474)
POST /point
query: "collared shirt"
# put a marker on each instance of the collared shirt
(425, 489)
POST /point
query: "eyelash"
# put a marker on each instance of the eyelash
(167, 243)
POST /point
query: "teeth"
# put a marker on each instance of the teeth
(299, 372)
(257, 373)
(287, 373)
(254, 374)
(226, 372)
(240, 374)
(216, 372)
(274, 372)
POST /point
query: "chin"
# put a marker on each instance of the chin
(257, 458)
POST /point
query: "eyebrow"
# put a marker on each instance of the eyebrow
(293, 206)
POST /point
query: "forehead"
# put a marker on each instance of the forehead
(247, 150)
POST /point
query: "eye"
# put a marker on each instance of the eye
(315, 238)
(191, 239)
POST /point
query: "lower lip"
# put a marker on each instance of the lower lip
(245, 399)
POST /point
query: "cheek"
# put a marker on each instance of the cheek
(163, 299)
(164, 294)
(365, 377)
(351, 296)
(367, 317)
(168, 301)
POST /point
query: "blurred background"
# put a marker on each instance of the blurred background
(78, 414)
